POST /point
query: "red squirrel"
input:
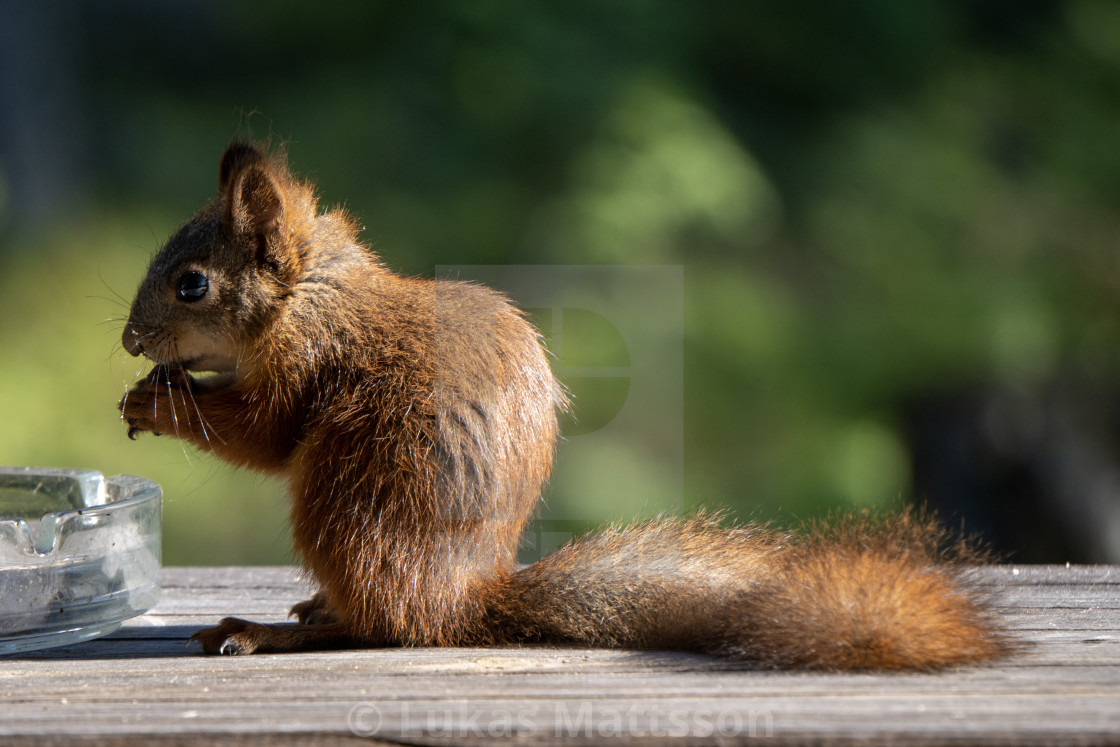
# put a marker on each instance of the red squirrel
(415, 422)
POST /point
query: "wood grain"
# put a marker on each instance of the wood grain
(146, 685)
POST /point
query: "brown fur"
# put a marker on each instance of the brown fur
(415, 421)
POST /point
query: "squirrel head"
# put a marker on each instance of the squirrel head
(224, 275)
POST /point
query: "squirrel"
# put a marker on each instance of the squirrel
(415, 421)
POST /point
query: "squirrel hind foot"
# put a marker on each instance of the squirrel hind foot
(236, 637)
(232, 636)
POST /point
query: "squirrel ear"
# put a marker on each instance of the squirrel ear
(238, 156)
(255, 202)
(253, 199)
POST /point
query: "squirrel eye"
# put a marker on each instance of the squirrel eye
(193, 286)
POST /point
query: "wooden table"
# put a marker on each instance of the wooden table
(146, 685)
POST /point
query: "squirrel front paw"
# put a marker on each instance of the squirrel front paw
(150, 405)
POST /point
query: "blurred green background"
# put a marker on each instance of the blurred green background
(896, 221)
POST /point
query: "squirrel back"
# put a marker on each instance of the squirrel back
(415, 421)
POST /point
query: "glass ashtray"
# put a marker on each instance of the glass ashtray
(79, 554)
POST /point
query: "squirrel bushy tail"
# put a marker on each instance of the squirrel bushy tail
(856, 593)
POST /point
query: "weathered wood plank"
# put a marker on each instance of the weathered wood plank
(242, 577)
(145, 685)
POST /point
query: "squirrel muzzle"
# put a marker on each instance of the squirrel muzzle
(131, 341)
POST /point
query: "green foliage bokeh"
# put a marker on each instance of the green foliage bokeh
(870, 202)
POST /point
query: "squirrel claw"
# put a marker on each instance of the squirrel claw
(232, 648)
(134, 429)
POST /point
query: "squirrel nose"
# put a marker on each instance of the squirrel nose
(131, 341)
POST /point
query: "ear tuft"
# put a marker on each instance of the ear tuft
(239, 156)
